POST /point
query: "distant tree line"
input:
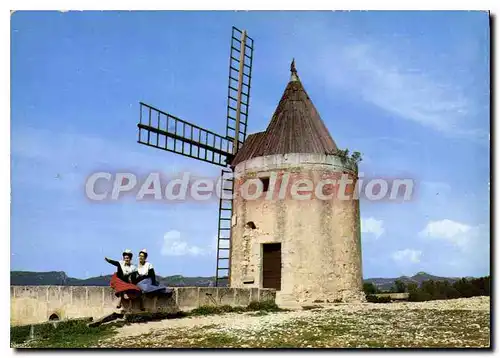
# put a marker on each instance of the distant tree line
(435, 290)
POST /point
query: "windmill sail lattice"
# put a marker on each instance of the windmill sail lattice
(164, 131)
(238, 92)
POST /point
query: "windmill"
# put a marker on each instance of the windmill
(164, 131)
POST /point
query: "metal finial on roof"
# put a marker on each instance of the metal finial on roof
(294, 76)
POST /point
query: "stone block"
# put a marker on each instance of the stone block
(267, 295)
(242, 296)
(208, 296)
(167, 304)
(66, 297)
(225, 296)
(95, 296)
(79, 295)
(187, 297)
(41, 293)
(109, 297)
(53, 293)
(254, 294)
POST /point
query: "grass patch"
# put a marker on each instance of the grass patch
(64, 334)
(376, 299)
(20, 334)
(268, 306)
(258, 313)
(313, 307)
(264, 306)
(152, 316)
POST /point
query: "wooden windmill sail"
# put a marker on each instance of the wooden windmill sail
(164, 131)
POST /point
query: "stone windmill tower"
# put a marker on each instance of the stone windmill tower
(308, 249)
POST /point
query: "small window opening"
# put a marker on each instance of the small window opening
(54, 317)
(265, 184)
(251, 225)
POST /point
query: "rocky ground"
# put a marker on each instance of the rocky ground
(462, 322)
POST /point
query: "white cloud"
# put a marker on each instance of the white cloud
(407, 256)
(454, 232)
(175, 245)
(372, 226)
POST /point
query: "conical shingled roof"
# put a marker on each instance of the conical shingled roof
(295, 127)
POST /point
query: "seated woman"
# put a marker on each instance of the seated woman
(122, 280)
(146, 277)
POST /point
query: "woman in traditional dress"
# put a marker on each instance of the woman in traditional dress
(146, 277)
(122, 280)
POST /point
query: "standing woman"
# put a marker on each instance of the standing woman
(122, 280)
(146, 277)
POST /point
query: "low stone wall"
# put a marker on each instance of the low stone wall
(394, 296)
(36, 304)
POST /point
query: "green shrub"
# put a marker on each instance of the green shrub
(369, 288)
(376, 299)
(269, 306)
(441, 290)
(19, 334)
(63, 334)
(205, 310)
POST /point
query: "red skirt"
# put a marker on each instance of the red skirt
(121, 286)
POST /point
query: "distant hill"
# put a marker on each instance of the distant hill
(384, 284)
(27, 278)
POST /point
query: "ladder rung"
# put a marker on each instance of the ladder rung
(234, 48)
(236, 59)
(222, 268)
(225, 209)
(224, 238)
(225, 228)
(223, 248)
(242, 120)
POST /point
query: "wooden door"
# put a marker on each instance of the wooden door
(271, 266)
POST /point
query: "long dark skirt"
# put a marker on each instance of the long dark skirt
(147, 286)
(122, 287)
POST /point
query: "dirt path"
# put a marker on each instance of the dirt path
(253, 322)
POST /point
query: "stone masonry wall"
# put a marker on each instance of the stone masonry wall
(320, 239)
(35, 304)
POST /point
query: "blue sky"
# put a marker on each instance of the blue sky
(408, 90)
